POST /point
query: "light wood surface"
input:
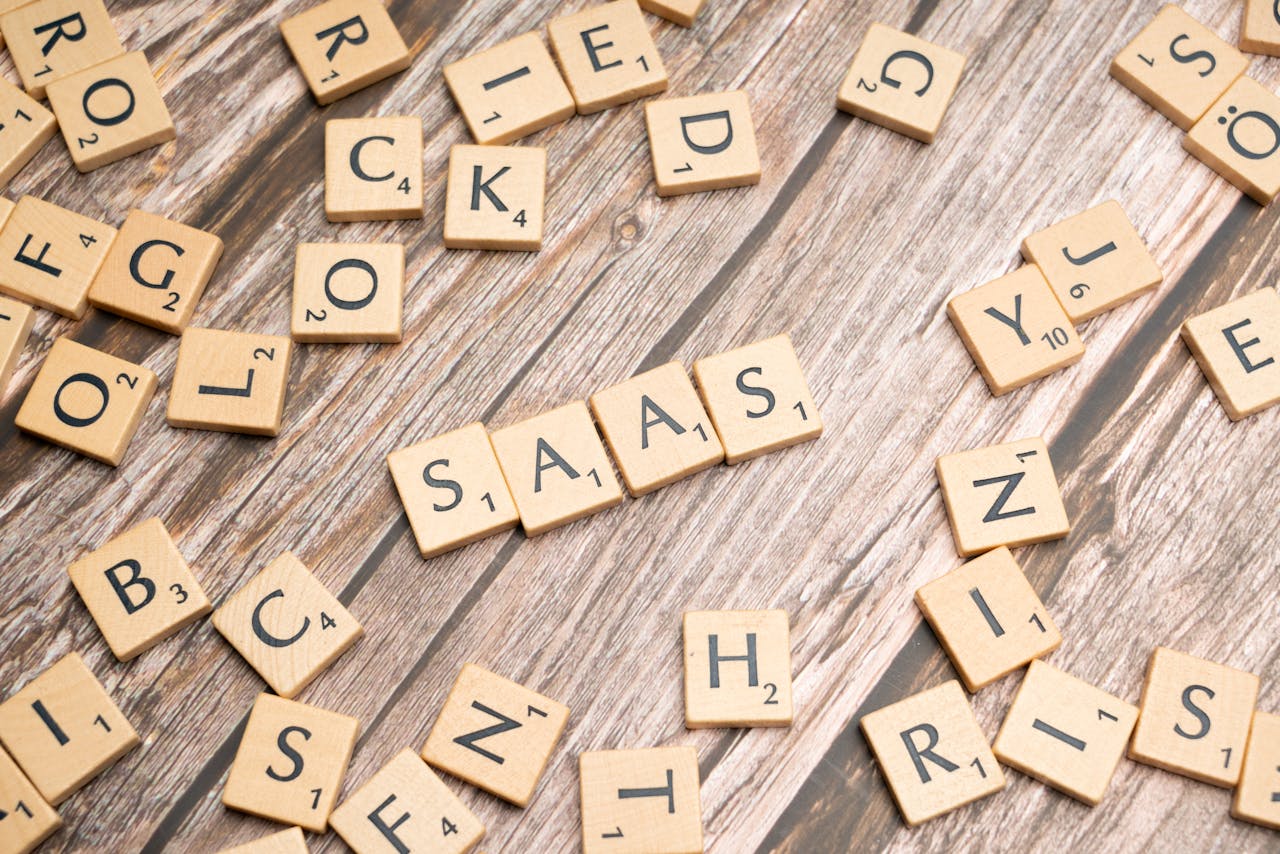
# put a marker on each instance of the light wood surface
(853, 241)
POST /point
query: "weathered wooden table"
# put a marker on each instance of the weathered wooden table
(853, 241)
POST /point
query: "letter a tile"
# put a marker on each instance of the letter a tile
(607, 55)
(286, 625)
(26, 819)
(138, 589)
(737, 669)
(642, 801)
(1239, 138)
(1236, 346)
(509, 91)
(406, 807)
(1195, 717)
(706, 142)
(345, 45)
(556, 467)
(1258, 794)
(932, 753)
(63, 729)
(1002, 495)
(495, 196)
(495, 734)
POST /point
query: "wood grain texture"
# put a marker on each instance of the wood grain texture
(853, 241)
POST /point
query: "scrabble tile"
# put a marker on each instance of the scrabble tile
(343, 46)
(1260, 27)
(348, 292)
(556, 468)
(642, 801)
(452, 490)
(737, 669)
(1002, 495)
(1239, 138)
(50, 255)
(932, 753)
(1015, 329)
(373, 168)
(1093, 261)
(289, 841)
(1258, 793)
(110, 111)
(25, 126)
(16, 320)
(1236, 346)
(494, 198)
(406, 807)
(607, 55)
(1178, 66)
(230, 381)
(705, 142)
(656, 428)
(156, 271)
(6, 208)
(138, 589)
(681, 12)
(26, 819)
(1195, 717)
(7, 6)
(988, 618)
(1065, 732)
(495, 734)
(509, 91)
(290, 763)
(758, 399)
(901, 82)
(286, 625)
(63, 729)
(51, 39)
(87, 401)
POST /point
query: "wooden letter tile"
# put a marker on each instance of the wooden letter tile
(901, 82)
(289, 841)
(138, 589)
(495, 196)
(1015, 329)
(495, 734)
(1002, 495)
(348, 292)
(758, 399)
(230, 381)
(737, 669)
(49, 255)
(1260, 27)
(932, 753)
(50, 39)
(156, 271)
(286, 625)
(1195, 717)
(110, 111)
(607, 55)
(452, 490)
(1239, 139)
(26, 819)
(680, 12)
(705, 142)
(1065, 732)
(1236, 346)
(509, 91)
(25, 126)
(656, 428)
(556, 468)
(1258, 793)
(291, 762)
(63, 729)
(406, 807)
(1178, 66)
(641, 801)
(1093, 261)
(345, 45)
(373, 168)
(16, 320)
(988, 618)
(87, 401)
